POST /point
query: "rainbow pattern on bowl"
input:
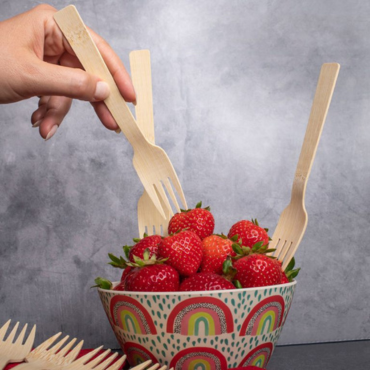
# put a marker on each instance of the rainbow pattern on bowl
(199, 330)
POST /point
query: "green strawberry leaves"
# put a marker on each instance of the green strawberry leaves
(258, 248)
(237, 284)
(137, 240)
(146, 260)
(198, 205)
(117, 262)
(290, 272)
(102, 283)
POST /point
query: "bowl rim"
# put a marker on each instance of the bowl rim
(204, 292)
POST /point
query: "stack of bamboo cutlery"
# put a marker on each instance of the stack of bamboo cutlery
(52, 355)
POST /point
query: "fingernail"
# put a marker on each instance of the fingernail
(37, 123)
(118, 131)
(51, 132)
(134, 102)
(101, 91)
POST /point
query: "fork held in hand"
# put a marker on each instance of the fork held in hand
(151, 163)
(15, 351)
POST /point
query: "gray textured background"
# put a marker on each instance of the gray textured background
(233, 87)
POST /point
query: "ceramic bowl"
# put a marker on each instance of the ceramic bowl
(213, 330)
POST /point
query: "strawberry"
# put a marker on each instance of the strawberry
(153, 278)
(107, 284)
(199, 220)
(289, 274)
(125, 272)
(249, 233)
(284, 279)
(216, 248)
(183, 251)
(150, 242)
(150, 274)
(121, 285)
(256, 270)
(205, 281)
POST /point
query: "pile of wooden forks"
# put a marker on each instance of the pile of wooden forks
(60, 356)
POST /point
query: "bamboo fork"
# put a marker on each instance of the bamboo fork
(151, 163)
(157, 367)
(15, 351)
(150, 221)
(101, 362)
(144, 366)
(44, 358)
(293, 220)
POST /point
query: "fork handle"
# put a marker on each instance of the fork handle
(80, 40)
(141, 76)
(320, 106)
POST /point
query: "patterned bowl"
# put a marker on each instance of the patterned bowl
(212, 330)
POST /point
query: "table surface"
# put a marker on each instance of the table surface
(329, 356)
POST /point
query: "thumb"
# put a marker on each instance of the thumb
(52, 79)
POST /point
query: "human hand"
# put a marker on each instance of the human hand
(36, 60)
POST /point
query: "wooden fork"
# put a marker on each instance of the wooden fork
(97, 363)
(150, 221)
(151, 163)
(44, 358)
(293, 220)
(15, 351)
(144, 366)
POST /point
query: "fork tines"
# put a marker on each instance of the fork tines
(83, 362)
(15, 350)
(30, 339)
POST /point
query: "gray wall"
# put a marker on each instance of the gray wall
(233, 87)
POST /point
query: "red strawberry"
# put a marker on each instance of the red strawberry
(150, 275)
(257, 270)
(216, 248)
(121, 285)
(153, 278)
(148, 242)
(183, 252)
(249, 233)
(284, 279)
(125, 272)
(199, 220)
(205, 281)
